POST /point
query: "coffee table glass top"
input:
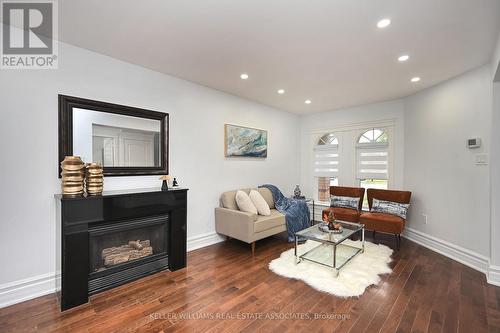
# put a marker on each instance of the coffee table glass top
(314, 233)
(331, 251)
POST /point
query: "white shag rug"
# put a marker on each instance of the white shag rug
(361, 272)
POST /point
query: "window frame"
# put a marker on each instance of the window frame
(320, 141)
(348, 136)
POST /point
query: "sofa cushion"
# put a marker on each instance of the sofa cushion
(268, 196)
(244, 203)
(344, 202)
(228, 199)
(355, 192)
(259, 203)
(267, 222)
(390, 207)
(382, 222)
(388, 195)
(343, 214)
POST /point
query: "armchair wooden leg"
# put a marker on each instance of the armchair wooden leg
(253, 248)
(398, 240)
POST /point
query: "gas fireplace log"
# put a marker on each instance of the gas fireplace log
(136, 244)
(127, 255)
(120, 254)
(120, 249)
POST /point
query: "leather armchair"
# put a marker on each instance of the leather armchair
(383, 222)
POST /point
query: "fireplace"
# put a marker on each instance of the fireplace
(118, 237)
(126, 248)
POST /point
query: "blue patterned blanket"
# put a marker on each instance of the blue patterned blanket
(296, 211)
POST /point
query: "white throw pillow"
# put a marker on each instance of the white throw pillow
(260, 203)
(244, 203)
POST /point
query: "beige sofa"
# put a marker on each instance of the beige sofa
(247, 227)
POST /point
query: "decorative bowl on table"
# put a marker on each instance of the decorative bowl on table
(324, 227)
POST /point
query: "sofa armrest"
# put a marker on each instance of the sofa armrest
(235, 223)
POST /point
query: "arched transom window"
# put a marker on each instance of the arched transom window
(328, 139)
(373, 135)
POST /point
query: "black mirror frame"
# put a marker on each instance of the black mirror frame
(66, 105)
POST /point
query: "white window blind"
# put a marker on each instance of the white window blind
(372, 161)
(326, 161)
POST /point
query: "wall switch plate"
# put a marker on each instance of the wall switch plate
(481, 159)
(425, 218)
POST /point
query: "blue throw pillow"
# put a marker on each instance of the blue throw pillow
(390, 207)
(344, 202)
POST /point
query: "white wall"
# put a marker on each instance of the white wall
(495, 62)
(440, 170)
(345, 120)
(494, 269)
(29, 139)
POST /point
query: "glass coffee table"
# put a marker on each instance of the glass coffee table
(331, 251)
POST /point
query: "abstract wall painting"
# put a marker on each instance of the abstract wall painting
(242, 141)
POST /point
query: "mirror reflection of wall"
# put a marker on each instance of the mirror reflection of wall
(115, 140)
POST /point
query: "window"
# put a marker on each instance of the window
(372, 161)
(326, 165)
(371, 183)
(324, 184)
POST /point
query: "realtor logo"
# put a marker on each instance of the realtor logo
(29, 34)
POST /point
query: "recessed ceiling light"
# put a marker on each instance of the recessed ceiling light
(415, 79)
(384, 23)
(281, 91)
(308, 101)
(403, 58)
(244, 76)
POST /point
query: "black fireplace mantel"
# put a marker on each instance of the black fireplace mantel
(78, 218)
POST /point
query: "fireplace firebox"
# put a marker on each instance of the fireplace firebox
(109, 240)
(116, 244)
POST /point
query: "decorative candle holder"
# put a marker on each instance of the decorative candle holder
(72, 176)
(94, 179)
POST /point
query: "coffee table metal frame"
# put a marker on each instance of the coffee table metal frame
(330, 240)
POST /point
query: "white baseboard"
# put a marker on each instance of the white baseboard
(455, 252)
(199, 241)
(493, 275)
(26, 289)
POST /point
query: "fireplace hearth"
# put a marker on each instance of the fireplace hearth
(122, 236)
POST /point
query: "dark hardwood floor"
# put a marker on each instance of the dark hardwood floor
(426, 292)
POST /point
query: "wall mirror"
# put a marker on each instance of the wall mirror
(127, 141)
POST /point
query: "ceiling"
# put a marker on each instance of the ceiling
(328, 51)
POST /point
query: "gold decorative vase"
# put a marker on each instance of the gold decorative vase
(94, 179)
(72, 176)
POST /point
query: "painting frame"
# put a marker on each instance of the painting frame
(259, 148)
